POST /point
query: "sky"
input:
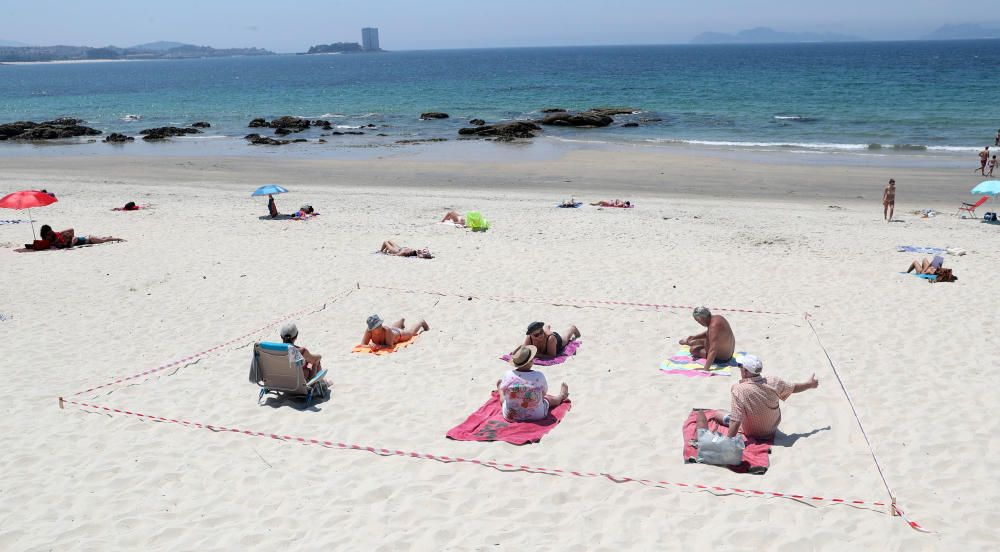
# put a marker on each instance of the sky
(294, 25)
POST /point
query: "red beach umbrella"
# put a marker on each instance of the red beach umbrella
(26, 199)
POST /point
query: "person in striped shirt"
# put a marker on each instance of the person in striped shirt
(755, 409)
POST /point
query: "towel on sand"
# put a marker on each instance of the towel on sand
(755, 455)
(920, 249)
(488, 424)
(384, 350)
(924, 276)
(568, 351)
(683, 364)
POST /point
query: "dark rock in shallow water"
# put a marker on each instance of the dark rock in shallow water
(610, 111)
(381, 134)
(651, 120)
(257, 123)
(257, 140)
(201, 124)
(162, 133)
(421, 141)
(370, 125)
(327, 127)
(477, 122)
(433, 115)
(321, 122)
(282, 131)
(294, 123)
(115, 138)
(554, 110)
(630, 125)
(321, 141)
(584, 119)
(48, 130)
(503, 131)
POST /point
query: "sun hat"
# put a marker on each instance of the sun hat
(523, 355)
(534, 327)
(374, 321)
(290, 331)
(751, 364)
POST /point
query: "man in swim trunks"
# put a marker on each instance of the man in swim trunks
(716, 344)
(379, 336)
(889, 200)
(390, 248)
(549, 343)
(984, 156)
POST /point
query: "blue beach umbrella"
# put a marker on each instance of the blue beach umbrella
(987, 187)
(268, 189)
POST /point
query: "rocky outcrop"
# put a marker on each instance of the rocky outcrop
(553, 110)
(47, 130)
(477, 122)
(629, 125)
(162, 133)
(115, 138)
(258, 140)
(294, 124)
(321, 123)
(421, 141)
(258, 123)
(503, 131)
(595, 117)
(201, 124)
(282, 131)
(433, 115)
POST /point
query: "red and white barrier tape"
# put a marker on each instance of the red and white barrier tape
(805, 498)
(871, 449)
(561, 301)
(193, 356)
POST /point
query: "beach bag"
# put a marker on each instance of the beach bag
(475, 221)
(945, 275)
(990, 217)
(719, 450)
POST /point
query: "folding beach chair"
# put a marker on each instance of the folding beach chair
(971, 207)
(277, 368)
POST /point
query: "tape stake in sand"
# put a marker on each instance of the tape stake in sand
(505, 467)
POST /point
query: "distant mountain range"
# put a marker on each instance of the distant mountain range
(766, 35)
(11, 43)
(152, 50)
(964, 31)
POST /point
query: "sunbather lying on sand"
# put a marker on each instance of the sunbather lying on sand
(612, 203)
(455, 218)
(716, 344)
(390, 248)
(305, 212)
(66, 239)
(523, 390)
(548, 343)
(378, 335)
(927, 266)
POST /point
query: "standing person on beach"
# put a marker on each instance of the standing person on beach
(889, 200)
(984, 156)
(996, 139)
(992, 165)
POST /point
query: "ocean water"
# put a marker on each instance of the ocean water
(888, 98)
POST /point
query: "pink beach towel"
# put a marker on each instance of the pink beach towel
(756, 457)
(568, 351)
(488, 424)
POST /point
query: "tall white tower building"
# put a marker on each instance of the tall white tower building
(369, 39)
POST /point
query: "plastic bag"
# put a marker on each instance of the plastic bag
(717, 449)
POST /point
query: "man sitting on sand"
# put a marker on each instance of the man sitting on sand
(756, 411)
(289, 333)
(716, 344)
(548, 343)
(66, 239)
(454, 218)
(927, 266)
(378, 335)
(612, 203)
(390, 248)
(523, 390)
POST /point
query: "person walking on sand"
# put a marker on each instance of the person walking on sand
(984, 156)
(992, 165)
(889, 200)
(716, 344)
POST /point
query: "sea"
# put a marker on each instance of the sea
(926, 102)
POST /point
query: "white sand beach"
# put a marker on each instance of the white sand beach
(199, 269)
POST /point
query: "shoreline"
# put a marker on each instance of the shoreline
(566, 172)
